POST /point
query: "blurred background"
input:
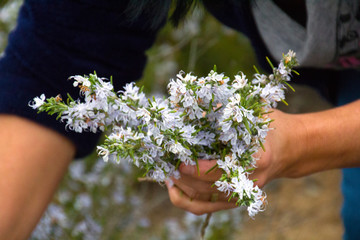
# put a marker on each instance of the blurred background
(106, 201)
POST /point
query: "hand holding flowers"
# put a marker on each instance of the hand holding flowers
(194, 190)
(212, 117)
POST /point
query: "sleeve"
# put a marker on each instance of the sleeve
(57, 39)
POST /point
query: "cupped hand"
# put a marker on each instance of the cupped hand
(195, 190)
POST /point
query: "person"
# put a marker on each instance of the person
(57, 39)
(325, 35)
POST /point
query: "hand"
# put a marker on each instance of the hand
(299, 145)
(195, 192)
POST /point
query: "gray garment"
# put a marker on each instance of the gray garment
(331, 37)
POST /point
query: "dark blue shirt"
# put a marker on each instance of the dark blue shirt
(57, 39)
(54, 40)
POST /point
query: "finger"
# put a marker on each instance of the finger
(200, 185)
(197, 207)
(206, 193)
(192, 193)
(258, 178)
(203, 173)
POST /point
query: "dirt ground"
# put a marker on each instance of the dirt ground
(307, 208)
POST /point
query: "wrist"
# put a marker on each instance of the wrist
(288, 145)
(323, 140)
(297, 147)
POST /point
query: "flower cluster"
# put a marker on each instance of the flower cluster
(212, 117)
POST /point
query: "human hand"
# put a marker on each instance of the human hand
(195, 192)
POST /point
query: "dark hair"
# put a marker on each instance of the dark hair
(158, 10)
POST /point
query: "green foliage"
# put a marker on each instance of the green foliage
(8, 12)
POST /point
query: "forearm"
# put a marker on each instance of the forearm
(33, 161)
(324, 140)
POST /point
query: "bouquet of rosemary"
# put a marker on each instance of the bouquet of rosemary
(212, 117)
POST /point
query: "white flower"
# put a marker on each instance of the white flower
(171, 119)
(83, 201)
(217, 78)
(158, 175)
(187, 134)
(177, 148)
(262, 132)
(77, 170)
(89, 228)
(205, 138)
(235, 99)
(188, 77)
(247, 137)
(80, 80)
(131, 91)
(259, 78)
(259, 202)
(188, 99)
(283, 70)
(242, 184)
(240, 81)
(195, 112)
(238, 148)
(37, 102)
(227, 164)
(104, 90)
(289, 56)
(224, 187)
(104, 153)
(144, 114)
(57, 215)
(176, 90)
(228, 135)
(222, 93)
(205, 94)
(272, 94)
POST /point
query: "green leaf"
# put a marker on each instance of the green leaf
(249, 169)
(178, 164)
(111, 80)
(183, 114)
(289, 86)
(246, 123)
(69, 97)
(197, 166)
(295, 72)
(283, 100)
(262, 145)
(270, 63)
(264, 113)
(58, 116)
(211, 169)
